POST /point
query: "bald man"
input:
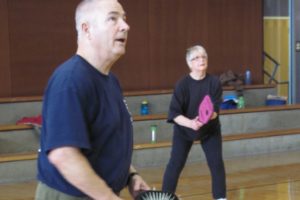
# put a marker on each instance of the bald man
(87, 139)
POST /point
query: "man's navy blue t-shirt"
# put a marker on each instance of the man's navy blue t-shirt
(84, 108)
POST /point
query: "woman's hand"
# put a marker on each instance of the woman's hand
(214, 115)
(195, 124)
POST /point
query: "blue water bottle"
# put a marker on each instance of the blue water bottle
(248, 77)
(144, 108)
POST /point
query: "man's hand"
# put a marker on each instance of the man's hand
(137, 185)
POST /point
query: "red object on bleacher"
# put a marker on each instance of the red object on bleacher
(35, 120)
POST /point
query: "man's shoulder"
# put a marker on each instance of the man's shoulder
(74, 63)
(74, 69)
(71, 74)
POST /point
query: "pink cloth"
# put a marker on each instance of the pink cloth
(205, 110)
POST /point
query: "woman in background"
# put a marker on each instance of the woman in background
(183, 112)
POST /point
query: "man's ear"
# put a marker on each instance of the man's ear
(86, 29)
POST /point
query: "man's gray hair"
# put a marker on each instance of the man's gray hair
(85, 13)
(191, 50)
(80, 14)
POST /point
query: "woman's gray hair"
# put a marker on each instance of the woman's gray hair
(191, 50)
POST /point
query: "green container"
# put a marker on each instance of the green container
(153, 129)
(241, 102)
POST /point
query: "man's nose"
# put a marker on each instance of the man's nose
(124, 25)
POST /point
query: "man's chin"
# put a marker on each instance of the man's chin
(120, 51)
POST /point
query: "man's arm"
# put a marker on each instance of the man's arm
(76, 169)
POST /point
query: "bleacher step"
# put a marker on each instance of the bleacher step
(244, 121)
(13, 109)
(11, 127)
(225, 138)
(18, 138)
(18, 167)
(11, 112)
(157, 154)
(18, 157)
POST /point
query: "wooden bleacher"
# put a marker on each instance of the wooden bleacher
(166, 144)
(168, 91)
(262, 134)
(12, 127)
(18, 157)
(233, 137)
(20, 99)
(131, 93)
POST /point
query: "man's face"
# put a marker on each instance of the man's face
(109, 30)
(198, 61)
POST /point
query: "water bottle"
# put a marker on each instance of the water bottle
(144, 108)
(248, 77)
(153, 129)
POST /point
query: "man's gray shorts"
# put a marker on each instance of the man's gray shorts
(43, 192)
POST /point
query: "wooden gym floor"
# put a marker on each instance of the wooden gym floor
(261, 177)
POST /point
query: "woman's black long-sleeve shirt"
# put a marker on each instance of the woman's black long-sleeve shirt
(186, 98)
